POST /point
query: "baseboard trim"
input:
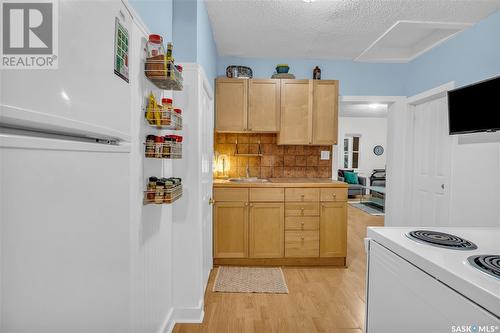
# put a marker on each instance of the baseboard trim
(167, 325)
(335, 261)
(189, 315)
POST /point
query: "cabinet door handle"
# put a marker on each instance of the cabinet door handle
(302, 238)
(302, 197)
(246, 204)
(211, 201)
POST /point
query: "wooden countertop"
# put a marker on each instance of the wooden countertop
(284, 182)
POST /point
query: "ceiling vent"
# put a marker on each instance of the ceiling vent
(406, 40)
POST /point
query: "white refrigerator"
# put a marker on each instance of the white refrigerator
(66, 193)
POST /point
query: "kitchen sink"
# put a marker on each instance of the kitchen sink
(248, 180)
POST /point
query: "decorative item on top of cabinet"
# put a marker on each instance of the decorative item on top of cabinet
(239, 72)
(317, 73)
(159, 67)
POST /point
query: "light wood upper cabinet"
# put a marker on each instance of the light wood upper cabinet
(303, 112)
(263, 105)
(231, 230)
(231, 103)
(267, 226)
(325, 112)
(333, 229)
(296, 112)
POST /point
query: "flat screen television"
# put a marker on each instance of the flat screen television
(475, 108)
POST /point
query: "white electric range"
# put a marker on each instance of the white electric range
(433, 280)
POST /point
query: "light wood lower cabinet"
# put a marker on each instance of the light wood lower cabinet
(231, 230)
(266, 230)
(302, 244)
(333, 229)
(248, 230)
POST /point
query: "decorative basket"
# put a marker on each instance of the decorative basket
(239, 72)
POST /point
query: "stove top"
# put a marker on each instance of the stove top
(487, 263)
(423, 247)
(441, 239)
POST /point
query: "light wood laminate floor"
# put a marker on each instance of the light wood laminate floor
(320, 299)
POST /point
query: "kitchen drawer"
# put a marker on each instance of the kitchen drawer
(231, 194)
(267, 194)
(302, 223)
(302, 194)
(302, 209)
(301, 244)
(334, 194)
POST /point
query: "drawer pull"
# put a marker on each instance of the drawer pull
(302, 238)
(302, 197)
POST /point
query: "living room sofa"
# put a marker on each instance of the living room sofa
(354, 189)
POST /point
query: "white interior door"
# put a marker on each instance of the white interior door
(207, 153)
(430, 193)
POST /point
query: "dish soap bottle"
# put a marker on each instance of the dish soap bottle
(317, 73)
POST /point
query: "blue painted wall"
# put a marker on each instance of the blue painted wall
(471, 56)
(206, 50)
(157, 15)
(355, 78)
(185, 30)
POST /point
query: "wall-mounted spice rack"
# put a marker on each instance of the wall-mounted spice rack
(162, 195)
(163, 74)
(157, 147)
(170, 119)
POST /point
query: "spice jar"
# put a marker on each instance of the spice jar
(167, 147)
(151, 191)
(155, 64)
(170, 47)
(150, 146)
(168, 194)
(178, 113)
(159, 191)
(166, 108)
(154, 46)
(159, 140)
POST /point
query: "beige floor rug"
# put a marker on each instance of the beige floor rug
(250, 280)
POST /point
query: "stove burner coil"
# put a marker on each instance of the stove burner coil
(441, 239)
(488, 263)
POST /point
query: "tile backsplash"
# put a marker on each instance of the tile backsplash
(277, 161)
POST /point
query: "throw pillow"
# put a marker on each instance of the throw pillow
(351, 177)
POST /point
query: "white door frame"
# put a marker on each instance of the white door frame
(397, 105)
(407, 165)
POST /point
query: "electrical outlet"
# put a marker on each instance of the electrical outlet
(325, 155)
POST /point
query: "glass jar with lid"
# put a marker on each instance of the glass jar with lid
(154, 46)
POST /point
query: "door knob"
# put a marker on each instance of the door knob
(442, 186)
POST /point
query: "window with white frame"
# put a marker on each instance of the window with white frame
(351, 151)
